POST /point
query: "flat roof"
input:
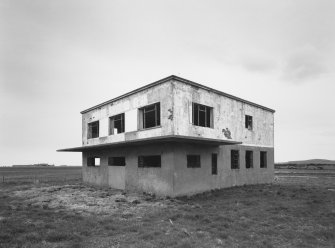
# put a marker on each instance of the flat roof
(155, 140)
(186, 81)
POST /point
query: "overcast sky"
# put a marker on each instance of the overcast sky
(58, 58)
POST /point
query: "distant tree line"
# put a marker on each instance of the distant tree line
(34, 165)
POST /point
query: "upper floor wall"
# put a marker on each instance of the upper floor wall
(177, 108)
(227, 117)
(129, 108)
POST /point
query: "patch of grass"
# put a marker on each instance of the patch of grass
(185, 244)
(286, 214)
(32, 237)
(57, 236)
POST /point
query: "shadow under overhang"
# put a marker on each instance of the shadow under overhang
(155, 140)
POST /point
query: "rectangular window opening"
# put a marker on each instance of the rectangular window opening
(202, 115)
(235, 159)
(263, 159)
(248, 122)
(93, 161)
(150, 116)
(214, 164)
(116, 161)
(248, 159)
(116, 124)
(93, 130)
(149, 161)
(193, 161)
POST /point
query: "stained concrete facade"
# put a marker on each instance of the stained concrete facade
(175, 138)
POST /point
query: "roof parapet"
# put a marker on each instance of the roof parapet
(183, 80)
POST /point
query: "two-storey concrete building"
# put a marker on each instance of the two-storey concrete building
(175, 137)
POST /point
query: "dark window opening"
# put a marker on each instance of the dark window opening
(116, 124)
(93, 161)
(149, 161)
(150, 116)
(235, 159)
(117, 161)
(214, 164)
(93, 130)
(202, 115)
(193, 161)
(248, 159)
(263, 159)
(248, 122)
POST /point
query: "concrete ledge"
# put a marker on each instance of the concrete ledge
(155, 140)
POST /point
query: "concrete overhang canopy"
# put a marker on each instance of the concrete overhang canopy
(155, 140)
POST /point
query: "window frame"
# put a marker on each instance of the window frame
(91, 161)
(142, 116)
(111, 161)
(146, 164)
(112, 123)
(248, 122)
(234, 166)
(249, 161)
(263, 159)
(214, 163)
(193, 164)
(196, 109)
(90, 126)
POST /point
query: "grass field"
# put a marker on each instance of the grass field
(297, 210)
(40, 174)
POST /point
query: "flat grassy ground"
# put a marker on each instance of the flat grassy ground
(294, 211)
(40, 174)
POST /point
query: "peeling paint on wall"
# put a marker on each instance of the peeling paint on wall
(171, 114)
(227, 133)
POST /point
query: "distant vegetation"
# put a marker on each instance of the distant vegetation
(312, 164)
(33, 165)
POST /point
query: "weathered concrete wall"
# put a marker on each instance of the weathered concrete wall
(154, 180)
(174, 178)
(227, 113)
(97, 175)
(161, 93)
(117, 177)
(195, 180)
(176, 116)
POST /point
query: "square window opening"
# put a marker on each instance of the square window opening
(202, 115)
(149, 116)
(93, 161)
(193, 161)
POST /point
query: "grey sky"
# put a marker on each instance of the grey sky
(60, 57)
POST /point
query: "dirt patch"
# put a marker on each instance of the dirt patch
(87, 200)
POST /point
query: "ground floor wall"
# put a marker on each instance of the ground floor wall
(174, 178)
(195, 180)
(131, 176)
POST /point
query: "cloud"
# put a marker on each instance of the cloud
(258, 64)
(305, 63)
